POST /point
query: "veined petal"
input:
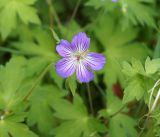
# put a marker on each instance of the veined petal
(81, 42)
(65, 67)
(64, 48)
(95, 61)
(84, 75)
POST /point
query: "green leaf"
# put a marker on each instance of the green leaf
(122, 126)
(76, 117)
(119, 46)
(25, 11)
(57, 79)
(139, 12)
(68, 111)
(106, 4)
(134, 11)
(152, 66)
(70, 30)
(157, 49)
(72, 84)
(134, 69)
(111, 107)
(40, 46)
(114, 105)
(8, 20)
(40, 103)
(137, 92)
(87, 127)
(11, 80)
(39, 65)
(141, 79)
(55, 35)
(11, 126)
(39, 43)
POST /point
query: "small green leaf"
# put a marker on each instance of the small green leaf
(72, 84)
(55, 35)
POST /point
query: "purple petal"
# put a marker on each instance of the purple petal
(84, 75)
(81, 41)
(64, 48)
(114, 0)
(65, 67)
(95, 61)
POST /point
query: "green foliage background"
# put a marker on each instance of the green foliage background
(36, 102)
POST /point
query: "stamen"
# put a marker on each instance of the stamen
(80, 55)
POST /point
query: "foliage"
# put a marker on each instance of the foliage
(76, 117)
(136, 12)
(25, 12)
(119, 46)
(141, 78)
(36, 102)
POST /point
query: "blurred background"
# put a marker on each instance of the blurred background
(35, 101)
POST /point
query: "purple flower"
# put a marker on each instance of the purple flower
(114, 0)
(77, 58)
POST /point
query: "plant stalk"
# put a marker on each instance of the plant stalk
(90, 98)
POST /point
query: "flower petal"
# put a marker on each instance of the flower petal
(64, 48)
(84, 75)
(95, 61)
(65, 67)
(81, 42)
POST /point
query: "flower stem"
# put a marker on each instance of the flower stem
(102, 93)
(51, 20)
(152, 91)
(156, 100)
(144, 126)
(90, 98)
(53, 13)
(35, 84)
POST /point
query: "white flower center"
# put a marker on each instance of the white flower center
(80, 55)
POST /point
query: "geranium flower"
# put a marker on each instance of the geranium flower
(77, 58)
(114, 0)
